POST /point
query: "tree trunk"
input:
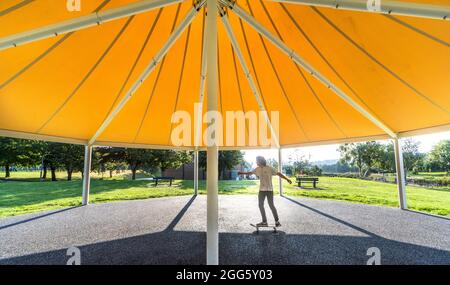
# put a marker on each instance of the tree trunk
(110, 174)
(69, 174)
(53, 170)
(7, 173)
(133, 171)
(360, 170)
(44, 174)
(219, 172)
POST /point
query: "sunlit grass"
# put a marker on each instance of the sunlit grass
(17, 198)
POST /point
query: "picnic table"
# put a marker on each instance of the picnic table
(313, 180)
(163, 178)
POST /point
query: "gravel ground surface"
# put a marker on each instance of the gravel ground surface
(172, 231)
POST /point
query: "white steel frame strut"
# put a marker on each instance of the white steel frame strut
(380, 6)
(249, 77)
(400, 171)
(308, 67)
(83, 22)
(198, 124)
(150, 67)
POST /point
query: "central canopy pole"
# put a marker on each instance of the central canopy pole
(212, 234)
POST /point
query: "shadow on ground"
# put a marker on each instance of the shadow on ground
(187, 247)
(172, 247)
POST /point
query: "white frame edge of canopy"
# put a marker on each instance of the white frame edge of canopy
(141, 146)
(425, 131)
(338, 141)
(308, 67)
(39, 137)
(150, 67)
(401, 135)
(83, 22)
(380, 6)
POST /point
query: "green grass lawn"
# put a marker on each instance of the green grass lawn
(18, 198)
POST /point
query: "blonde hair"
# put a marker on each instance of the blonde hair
(261, 161)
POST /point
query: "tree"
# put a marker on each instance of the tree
(362, 155)
(227, 160)
(338, 167)
(138, 158)
(171, 158)
(7, 154)
(300, 164)
(387, 159)
(112, 166)
(288, 169)
(440, 156)
(135, 158)
(40, 149)
(314, 171)
(52, 157)
(16, 152)
(71, 157)
(110, 159)
(272, 163)
(412, 158)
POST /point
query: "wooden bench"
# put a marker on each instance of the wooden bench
(163, 178)
(313, 180)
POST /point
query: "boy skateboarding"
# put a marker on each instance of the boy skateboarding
(265, 173)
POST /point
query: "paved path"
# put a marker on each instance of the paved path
(172, 231)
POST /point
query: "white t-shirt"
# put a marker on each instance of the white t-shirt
(265, 174)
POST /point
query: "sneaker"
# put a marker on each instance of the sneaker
(277, 224)
(262, 224)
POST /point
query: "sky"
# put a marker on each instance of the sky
(329, 152)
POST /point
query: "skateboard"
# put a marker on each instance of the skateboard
(268, 226)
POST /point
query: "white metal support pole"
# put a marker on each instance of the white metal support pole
(198, 123)
(440, 12)
(196, 172)
(83, 22)
(280, 169)
(87, 174)
(212, 234)
(401, 181)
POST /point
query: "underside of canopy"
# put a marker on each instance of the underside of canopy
(63, 88)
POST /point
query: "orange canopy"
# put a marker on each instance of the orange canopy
(63, 88)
